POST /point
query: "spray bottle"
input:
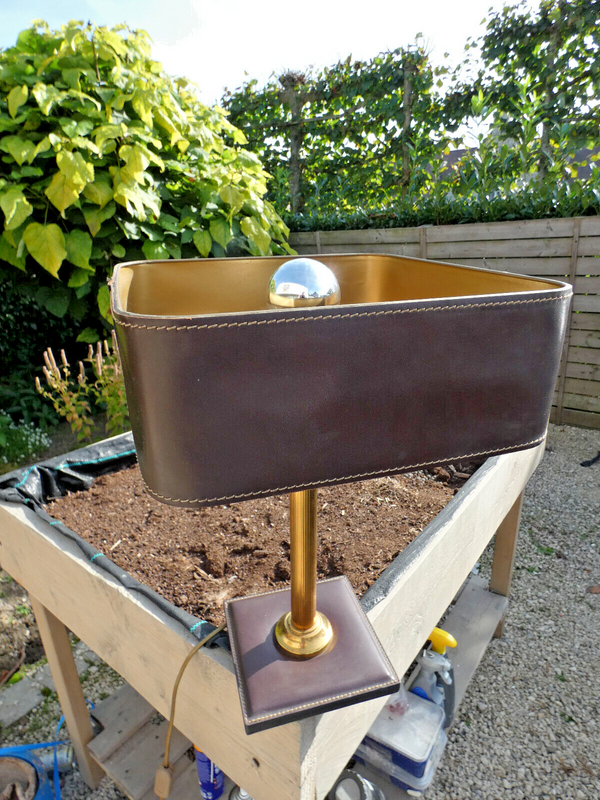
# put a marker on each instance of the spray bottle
(435, 681)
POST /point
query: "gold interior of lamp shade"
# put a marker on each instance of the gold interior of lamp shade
(220, 285)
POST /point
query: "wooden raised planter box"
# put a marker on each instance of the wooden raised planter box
(146, 647)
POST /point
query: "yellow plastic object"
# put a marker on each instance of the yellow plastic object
(440, 640)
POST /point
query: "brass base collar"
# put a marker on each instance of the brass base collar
(303, 644)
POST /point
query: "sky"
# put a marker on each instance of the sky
(222, 43)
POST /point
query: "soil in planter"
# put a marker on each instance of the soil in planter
(197, 559)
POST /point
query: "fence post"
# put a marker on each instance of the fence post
(565, 352)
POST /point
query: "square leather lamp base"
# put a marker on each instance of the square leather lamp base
(275, 688)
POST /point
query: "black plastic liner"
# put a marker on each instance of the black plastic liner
(74, 472)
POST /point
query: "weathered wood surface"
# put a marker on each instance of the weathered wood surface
(147, 648)
(475, 618)
(56, 643)
(298, 760)
(565, 249)
(122, 715)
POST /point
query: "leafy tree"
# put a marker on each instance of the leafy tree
(542, 69)
(356, 133)
(106, 158)
(368, 143)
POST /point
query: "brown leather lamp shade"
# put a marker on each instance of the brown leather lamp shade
(422, 363)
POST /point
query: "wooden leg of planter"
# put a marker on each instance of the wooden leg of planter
(66, 680)
(505, 548)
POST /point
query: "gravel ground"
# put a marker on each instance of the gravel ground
(529, 724)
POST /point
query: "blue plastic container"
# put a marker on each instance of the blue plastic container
(407, 739)
(44, 789)
(414, 786)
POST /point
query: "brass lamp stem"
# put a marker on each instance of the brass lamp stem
(303, 557)
(303, 632)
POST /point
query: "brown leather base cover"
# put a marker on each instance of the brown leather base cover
(275, 688)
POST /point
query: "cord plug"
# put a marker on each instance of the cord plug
(162, 781)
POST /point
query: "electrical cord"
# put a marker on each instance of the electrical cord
(164, 773)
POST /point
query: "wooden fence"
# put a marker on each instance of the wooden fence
(567, 249)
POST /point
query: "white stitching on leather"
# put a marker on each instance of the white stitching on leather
(373, 474)
(327, 317)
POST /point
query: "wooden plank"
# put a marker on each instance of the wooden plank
(521, 229)
(522, 248)
(588, 372)
(582, 402)
(434, 566)
(557, 268)
(584, 355)
(147, 648)
(588, 266)
(562, 370)
(371, 236)
(398, 249)
(505, 548)
(133, 765)
(472, 621)
(66, 680)
(585, 285)
(423, 241)
(582, 418)
(185, 782)
(585, 338)
(590, 226)
(590, 246)
(122, 715)
(589, 303)
(576, 386)
(585, 322)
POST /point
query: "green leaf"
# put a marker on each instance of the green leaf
(203, 242)
(41, 147)
(46, 96)
(233, 197)
(106, 133)
(54, 298)
(95, 217)
(16, 97)
(16, 208)
(71, 78)
(79, 278)
(89, 336)
(136, 161)
(61, 192)
(46, 244)
(10, 254)
(142, 103)
(103, 298)
(75, 168)
(77, 308)
(99, 192)
(79, 249)
(20, 149)
(155, 250)
(220, 231)
(252, 228)
(69, 126)
(173, 247)
(118, 251)
(169, 223)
